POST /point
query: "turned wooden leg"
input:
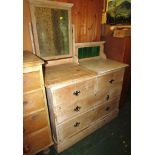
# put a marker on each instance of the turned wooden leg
(46, 151)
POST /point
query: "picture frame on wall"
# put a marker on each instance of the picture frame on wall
(118, 12)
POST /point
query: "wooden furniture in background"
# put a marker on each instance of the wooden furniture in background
(119, 49)
(36, 125)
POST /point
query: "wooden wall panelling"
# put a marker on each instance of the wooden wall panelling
(26, 19)
(86, 16)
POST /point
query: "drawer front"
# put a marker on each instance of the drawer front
(75, 125)
(33, 101)
(110, 79)
(35, 142)
(106, 108)
(35, 122)
(63, 112)
(109, 93)
(32, 80)
(77, 137)
(73, 93)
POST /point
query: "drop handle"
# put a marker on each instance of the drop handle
(107, 108)
(76, 124)
(77, 109)
(107, 97)
(111, 81)
(76, 93)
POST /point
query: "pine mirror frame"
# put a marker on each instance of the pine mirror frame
(52, 5)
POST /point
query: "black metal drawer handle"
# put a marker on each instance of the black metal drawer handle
(107, 108)
(107, 97)
(76, 93)
(76, 124)
(111, 81)
(77, 109)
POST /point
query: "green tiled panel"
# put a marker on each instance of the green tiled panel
(87, 52)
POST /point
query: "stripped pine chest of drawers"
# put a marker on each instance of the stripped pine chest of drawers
(83, 87)
(81, 99)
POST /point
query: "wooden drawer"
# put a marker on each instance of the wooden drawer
(75, 125)
(33, 101)
(35, 122)
(109, 93)
(97, 124)
(72, 93)
(64, 112)
(106, 108)
(110, 79)
(32, 80)
(35, 142)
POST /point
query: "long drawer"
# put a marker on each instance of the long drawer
(75, 125)
(63, 112)
(35, 142)
(32, 80)
(33, 101)
(97, 124)
(35, 121)
(72, 93)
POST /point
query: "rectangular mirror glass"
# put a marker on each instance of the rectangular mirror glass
(52, 31)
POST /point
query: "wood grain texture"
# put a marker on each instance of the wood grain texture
(37, 141)
(80, 122)
(36, 126)
(30, 59)
(31, 81)
(87, 17)
(35, 121)
(66, 74)
(72, 140)
(26, 19)
(101, 66)
(33, 101)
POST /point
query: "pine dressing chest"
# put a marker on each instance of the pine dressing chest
(83, 87)
(36, 131)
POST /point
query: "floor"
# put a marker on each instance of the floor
(112, 139)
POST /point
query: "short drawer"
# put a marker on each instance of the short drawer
(32, 80)
(33, 143)
(72, 93)
(75, 125)
(106, 108)
(110, 79)
(33, 101)
(109, 93)
(35, 122)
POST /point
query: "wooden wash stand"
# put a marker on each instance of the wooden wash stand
(83, 92)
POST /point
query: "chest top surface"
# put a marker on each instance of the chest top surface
(66, 73)
(101, 66)
(29, 59)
